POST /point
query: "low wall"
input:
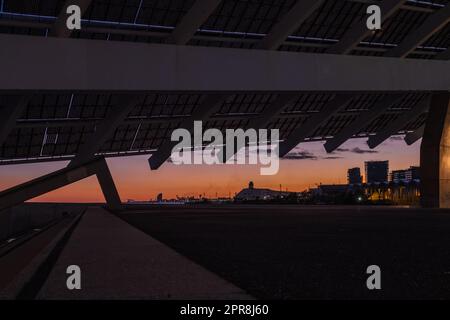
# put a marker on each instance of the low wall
(28, 216)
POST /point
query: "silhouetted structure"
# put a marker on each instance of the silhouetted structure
(254, 194)
(402, 193)
(377, 171)
(354, 176)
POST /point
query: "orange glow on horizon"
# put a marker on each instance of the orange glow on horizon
(136, 181)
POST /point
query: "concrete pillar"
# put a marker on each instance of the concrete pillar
(435, 154)
(107, 185)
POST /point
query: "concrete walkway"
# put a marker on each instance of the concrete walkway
(118, 261)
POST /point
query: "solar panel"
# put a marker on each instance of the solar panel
(331, 20)
(247, 16)
(397, 27)
(234, 24)
(49, 8)
(55, 125)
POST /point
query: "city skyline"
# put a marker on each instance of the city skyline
(305, 167)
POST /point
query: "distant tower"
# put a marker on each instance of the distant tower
(377, 171)
(251, 185)
(159, 198)
(354, 176)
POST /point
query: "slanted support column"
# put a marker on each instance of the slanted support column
(58, 179)
(107, 185)
(203, 112)
(435, 154)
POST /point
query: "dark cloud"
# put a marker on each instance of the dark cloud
(300, 155)
(356, 150)
(362, 151)
(306, 155)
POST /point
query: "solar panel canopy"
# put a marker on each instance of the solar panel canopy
(56, 125)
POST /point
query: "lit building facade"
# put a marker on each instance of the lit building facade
(408, 175)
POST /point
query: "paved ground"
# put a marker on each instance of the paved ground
(16, 257)
(291, 252)
(118, 261)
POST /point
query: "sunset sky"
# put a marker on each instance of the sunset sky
(307, 166)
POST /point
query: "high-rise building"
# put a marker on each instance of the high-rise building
(354, 176)
(377, 171)
(407, 175)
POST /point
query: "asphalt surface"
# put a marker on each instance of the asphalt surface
(293, 252)
(117, 261)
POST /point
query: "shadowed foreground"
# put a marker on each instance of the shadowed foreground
(292, 252)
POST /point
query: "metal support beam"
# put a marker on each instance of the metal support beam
(192, 21)
(434, 155)
(314, 121)
(30, 63)
(262, 121)
(363, 120)
(59, 29)
(289, 23)
(203, 112)
(272, 111)
(11, 109)
(359, 30)
(105, 129)
(256, 39)
(434, 23)
(107, 185)
(59, 179)
(412, 137)
(398, 124)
